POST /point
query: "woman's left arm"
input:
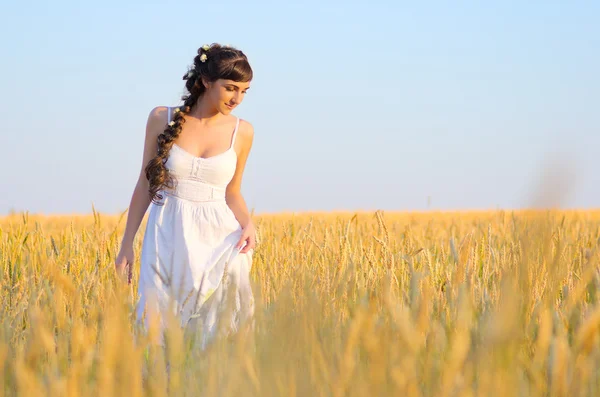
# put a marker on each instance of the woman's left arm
(233, 194)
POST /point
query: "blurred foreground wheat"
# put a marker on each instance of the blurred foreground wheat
(367, 304)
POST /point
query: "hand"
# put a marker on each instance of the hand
(248, 236)
(123, 263)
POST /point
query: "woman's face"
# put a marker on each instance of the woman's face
(225, 95)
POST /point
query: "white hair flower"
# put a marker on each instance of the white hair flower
(177, 110)
(190, 73)
(203, 58)
(206, 47)
(172, 123)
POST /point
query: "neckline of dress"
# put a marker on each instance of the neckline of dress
(203, 158)
(237, 124)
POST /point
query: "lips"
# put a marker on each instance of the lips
(229, 106)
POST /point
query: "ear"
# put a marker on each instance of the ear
(205, 83)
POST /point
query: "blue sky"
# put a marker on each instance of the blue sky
(356, 105)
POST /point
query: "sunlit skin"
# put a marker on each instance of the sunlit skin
(206, 132)
(208, 126)
(218, 95)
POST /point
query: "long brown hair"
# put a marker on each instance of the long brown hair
(220, 62)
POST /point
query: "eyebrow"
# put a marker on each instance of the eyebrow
(237, 86)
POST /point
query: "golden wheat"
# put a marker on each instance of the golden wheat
(347, 304)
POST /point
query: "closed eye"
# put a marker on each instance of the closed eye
(229, 88)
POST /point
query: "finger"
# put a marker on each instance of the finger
(121, 274)
(251, 242)
(247, 248)
(241, 241)
(122, 271)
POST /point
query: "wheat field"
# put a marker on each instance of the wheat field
(501, 303)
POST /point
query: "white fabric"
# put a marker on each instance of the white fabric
(189, 245)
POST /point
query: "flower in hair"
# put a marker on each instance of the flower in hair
(206, 47)
(203, 58)
(177, 110)
(191, 73)
(172, 123)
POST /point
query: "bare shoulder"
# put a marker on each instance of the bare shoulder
(246, 131)
(157, 120)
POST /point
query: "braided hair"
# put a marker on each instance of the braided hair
(212, 63)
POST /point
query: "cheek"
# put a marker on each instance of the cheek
(216, 99)
(225, 96)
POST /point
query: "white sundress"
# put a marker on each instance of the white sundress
(189, 245)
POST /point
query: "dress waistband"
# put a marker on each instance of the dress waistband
(196, 191)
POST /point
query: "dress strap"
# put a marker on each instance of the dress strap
(169, 116)
(237, 124)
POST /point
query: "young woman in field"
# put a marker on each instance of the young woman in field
(199, 238)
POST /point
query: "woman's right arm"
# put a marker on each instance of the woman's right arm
(140, 199)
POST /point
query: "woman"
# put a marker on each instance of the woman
(199, 238)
